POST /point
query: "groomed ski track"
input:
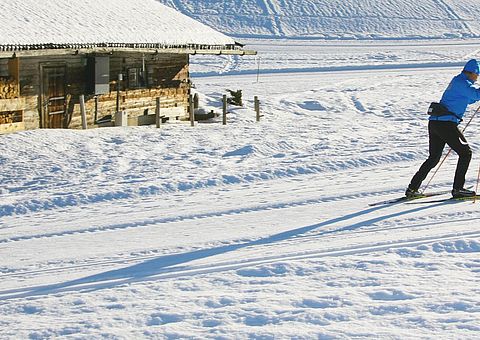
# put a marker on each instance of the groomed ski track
(325, 226)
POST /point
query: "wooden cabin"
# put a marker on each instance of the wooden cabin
(42, 79)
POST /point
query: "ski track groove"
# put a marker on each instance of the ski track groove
(190, 217)
(312, 237)
(454, 16)
(308, 237)
(84, 285)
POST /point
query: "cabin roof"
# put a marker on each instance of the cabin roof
(148, 24)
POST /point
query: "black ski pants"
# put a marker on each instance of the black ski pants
(439, 134)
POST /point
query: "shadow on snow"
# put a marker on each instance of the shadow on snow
(147, 270)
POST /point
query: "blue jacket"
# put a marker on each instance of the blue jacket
(459, 94)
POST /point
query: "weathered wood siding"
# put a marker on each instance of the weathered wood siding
(11, 104)
(165, 76)
(3, 67)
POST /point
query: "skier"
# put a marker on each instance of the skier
(443, 129)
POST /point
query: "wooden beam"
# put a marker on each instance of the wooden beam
(14, 68)
(15, 104)
(12, 127)
(109, 50)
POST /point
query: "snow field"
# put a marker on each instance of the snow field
(247, 230)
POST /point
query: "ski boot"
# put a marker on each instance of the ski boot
(412, 193)
(462, 193)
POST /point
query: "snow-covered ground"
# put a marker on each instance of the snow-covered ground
(249, 230)
(284, 55)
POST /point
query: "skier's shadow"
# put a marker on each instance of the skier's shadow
(163, 264)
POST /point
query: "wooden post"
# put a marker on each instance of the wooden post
(257, 107)
(195, 101)
(192, 111)
(158, 120)
(14, 72)
(224, 109)
(96, 110)
(119, 79)
(83, 112)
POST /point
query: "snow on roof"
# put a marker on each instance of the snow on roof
(63, 22)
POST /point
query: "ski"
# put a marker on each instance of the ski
(449, 199)
(409, 199)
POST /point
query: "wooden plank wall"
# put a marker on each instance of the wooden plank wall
(173, 92)
(168, 78)
(4, 67)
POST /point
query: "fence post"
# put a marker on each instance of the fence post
(158, 120)
(119, 79)
(257, 107)
(192, 110)
(195, 101)
(96, 110)
(224, 109)
(83, 112)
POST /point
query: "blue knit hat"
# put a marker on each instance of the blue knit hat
(472, 66)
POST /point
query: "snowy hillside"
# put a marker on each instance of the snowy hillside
(357, 19)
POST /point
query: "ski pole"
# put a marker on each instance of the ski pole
(449, 150)
(436, 170)
(476, 187)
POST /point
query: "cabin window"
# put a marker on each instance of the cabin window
(166, 76)
(136, 78)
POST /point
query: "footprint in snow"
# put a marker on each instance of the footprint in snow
(278, 270)
(244, 151)
(158, 319)
(385, 310)
(392, 295)
(312, 105)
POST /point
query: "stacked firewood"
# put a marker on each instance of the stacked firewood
(8, 88)
(8, 117)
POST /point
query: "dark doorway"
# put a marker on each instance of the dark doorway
(53, 97)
